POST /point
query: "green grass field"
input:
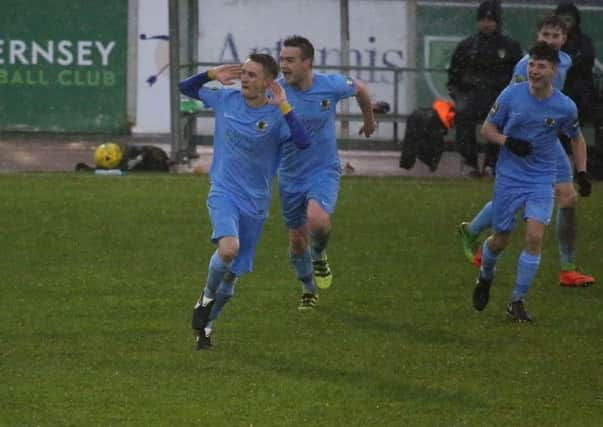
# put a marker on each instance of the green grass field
(99, 275)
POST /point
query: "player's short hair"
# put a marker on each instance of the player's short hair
(267, 62)
(304, 45)
(544, 52)
(552, 20)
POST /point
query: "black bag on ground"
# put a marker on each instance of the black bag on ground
(423, 139)
(147, 158)
(138, 158)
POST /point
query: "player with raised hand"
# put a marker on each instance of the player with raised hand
(226, 74)
(251, 130)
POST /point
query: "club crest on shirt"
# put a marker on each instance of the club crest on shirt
(494, 109)
(325, 104)
(518, 78)
(262, 125)
(550, 122)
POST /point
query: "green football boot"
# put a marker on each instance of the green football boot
(469, 241)
(308, 302)
(322, 272)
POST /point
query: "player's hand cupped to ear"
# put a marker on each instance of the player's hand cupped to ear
(226, 74)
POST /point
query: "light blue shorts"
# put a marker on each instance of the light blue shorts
(537, 204)
(323, 187)
(227, 220)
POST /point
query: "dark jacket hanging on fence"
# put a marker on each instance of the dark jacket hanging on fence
(424, 136)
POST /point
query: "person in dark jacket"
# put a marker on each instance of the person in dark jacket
(481, 67)
(579, 83)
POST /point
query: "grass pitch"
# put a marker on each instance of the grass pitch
(99, 275)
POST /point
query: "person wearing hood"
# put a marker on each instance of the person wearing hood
(480, 68)
(579, 83)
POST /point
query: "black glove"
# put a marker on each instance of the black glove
(584, 185)
(518, 146)
(381, 107)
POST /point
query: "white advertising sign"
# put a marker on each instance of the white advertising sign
(229, 30)
(153, 100)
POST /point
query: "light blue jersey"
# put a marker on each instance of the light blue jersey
(516, 113)
(520, 72)
(248, 143)
(315, 107)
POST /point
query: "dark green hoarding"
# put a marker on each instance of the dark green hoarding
(63, 66)
(441, 25)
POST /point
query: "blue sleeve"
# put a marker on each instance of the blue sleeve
(520, 72)
(571, 126)
(342, 85)
(191, 85)
(211, 96)
(299, 136)
(500, 109)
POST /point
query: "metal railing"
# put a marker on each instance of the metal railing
(395, 116)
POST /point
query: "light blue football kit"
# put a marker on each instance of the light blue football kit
(529, 180)
(520, 73)
(247, 148)
(248, 143)
(483, 219)
(526, 182)
(313, 173)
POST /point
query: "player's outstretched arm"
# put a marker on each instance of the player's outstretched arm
(225, 74)
(364, 101)
(299, 136)
(490, 133)
(191, 85)
(517, 146)
(579, 152)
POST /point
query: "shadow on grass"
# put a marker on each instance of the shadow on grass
(393, 386)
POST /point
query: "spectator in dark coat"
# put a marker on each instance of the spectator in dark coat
(481, 67)
(579, 84)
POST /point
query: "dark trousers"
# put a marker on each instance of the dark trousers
(471, 110)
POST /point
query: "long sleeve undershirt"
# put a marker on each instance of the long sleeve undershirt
(191, 86)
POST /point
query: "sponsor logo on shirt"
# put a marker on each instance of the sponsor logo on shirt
(262, 125)
(550, 122)
(325, 104)
(494, 109)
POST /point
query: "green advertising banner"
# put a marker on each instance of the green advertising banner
(441, 26)
(63, 66)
